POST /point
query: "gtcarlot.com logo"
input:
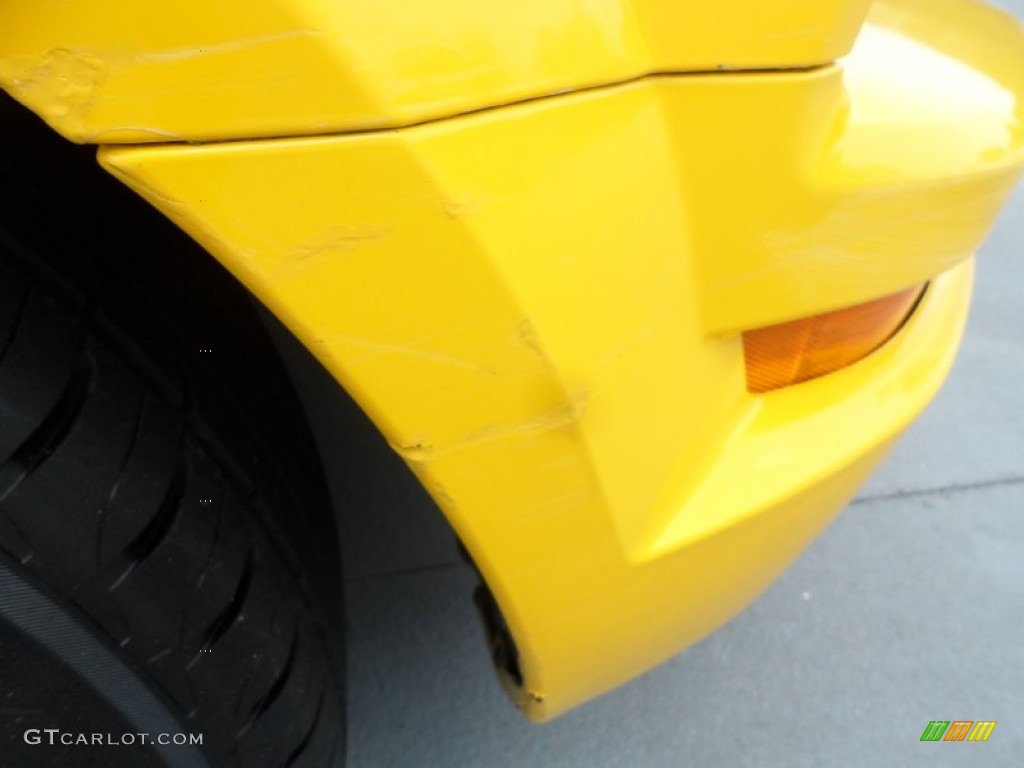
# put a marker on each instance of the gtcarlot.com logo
(55, 736)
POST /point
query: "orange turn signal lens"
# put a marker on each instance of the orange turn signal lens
(789, 353)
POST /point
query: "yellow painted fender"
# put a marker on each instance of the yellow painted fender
(540, 303)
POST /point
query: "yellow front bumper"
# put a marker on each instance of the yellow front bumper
(540, 307)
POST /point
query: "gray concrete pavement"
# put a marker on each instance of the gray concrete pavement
(910, 608)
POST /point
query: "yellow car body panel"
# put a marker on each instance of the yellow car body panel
(540, 304)
(154, 70)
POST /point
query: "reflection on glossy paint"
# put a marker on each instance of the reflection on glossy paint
(904, 88)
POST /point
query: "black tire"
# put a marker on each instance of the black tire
(167, 555)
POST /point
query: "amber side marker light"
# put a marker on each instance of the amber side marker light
(788, 353)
